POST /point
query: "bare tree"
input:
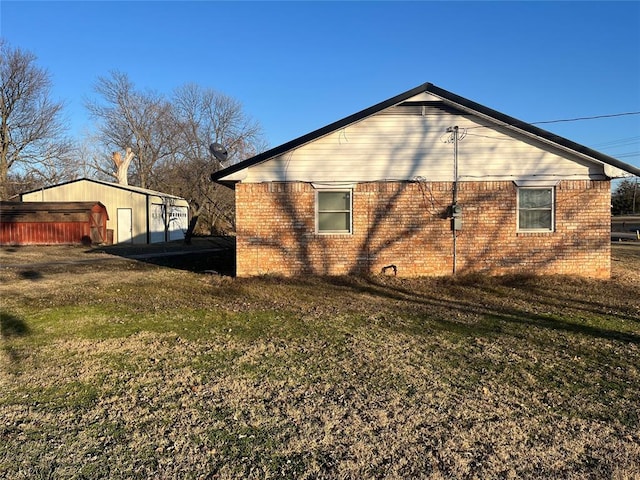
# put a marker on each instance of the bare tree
(132, 119)
(204, 117)
(33, 145)
(89, 153)
(168, 141)
(122, 165)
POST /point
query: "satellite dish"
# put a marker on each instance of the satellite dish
(219, 152)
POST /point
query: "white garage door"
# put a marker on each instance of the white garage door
(178, 223)
(156, 224)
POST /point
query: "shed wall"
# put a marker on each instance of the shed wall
(53, 224)
(38, 233)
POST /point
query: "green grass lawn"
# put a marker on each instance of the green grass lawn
(125, 369)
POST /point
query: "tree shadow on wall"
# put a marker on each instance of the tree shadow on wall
(382, 224)
(310, 253)
(488, 242)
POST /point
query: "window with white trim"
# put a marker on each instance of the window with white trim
(333, 211)
(536, 209)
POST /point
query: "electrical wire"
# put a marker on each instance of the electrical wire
(628, 141)
(620, 141)
(627, 155)
(575, 119)
(586, 118)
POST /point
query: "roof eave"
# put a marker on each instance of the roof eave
(450, 98)
(531, 130)
(297, 142)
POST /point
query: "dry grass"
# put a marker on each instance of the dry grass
(125, 369)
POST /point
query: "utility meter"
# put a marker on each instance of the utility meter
(456, 217)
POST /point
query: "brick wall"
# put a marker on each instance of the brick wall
(405, 224)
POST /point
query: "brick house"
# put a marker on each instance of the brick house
(425, 183)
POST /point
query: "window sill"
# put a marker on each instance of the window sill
(335, 234)
(535, 233)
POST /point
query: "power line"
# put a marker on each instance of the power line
(575, 119)
(627, 155)
(586, 118)
(620, 142)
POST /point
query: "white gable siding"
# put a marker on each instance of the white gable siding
(405, 142)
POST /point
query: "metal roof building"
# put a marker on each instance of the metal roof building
(136, 215)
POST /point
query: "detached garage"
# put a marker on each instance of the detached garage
(49, 223)
(136, 215)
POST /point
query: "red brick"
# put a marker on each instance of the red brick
(405, 224)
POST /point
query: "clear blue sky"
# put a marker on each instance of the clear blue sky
(297, 66)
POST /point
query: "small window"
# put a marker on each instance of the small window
(536, 209)
(333, 211)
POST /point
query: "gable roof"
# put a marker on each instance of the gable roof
(448, 99)
(130, 188)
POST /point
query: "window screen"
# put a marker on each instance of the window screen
(334, 211)
(535, 209)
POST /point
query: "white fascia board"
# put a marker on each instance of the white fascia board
(615, 172)
(236, 176)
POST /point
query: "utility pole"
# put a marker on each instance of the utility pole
(454, 132)
(456, 212)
